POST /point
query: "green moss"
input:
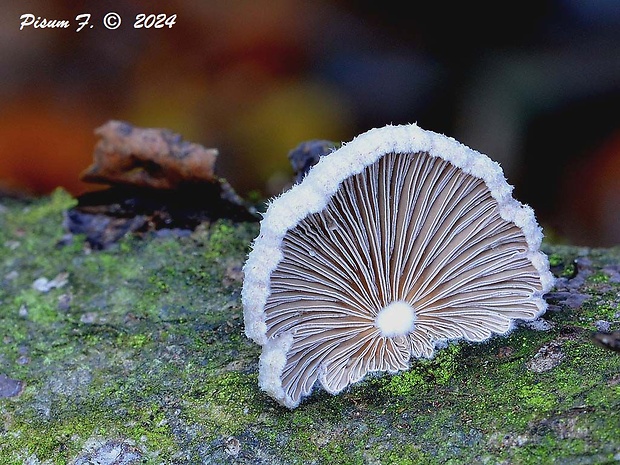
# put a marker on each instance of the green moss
(402, 454)
(222, 403)
(562, 260)
(555, 259)
(121, 303)
(598, 277)
(40, 307)
(221, 241)
(135, 341)
(604, 307)
(145, 342)
(36, 214)
(59, 441)
(569, 271)
(424, 374)
(536, 397)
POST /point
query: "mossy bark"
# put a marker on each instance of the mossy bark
(137, 355)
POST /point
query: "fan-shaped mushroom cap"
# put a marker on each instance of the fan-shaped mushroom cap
(395, 243)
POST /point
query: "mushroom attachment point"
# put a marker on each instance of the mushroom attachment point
(392, 245)
(396, 319)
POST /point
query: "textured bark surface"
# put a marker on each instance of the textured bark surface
(136, 354)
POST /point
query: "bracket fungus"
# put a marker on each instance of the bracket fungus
(392, 245)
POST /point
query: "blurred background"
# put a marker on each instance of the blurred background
(536, 87)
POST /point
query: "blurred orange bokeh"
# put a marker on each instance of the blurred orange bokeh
(43, 148)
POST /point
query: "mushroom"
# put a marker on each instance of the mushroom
(392, 245)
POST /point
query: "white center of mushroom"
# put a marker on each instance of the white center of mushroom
(396, 319)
